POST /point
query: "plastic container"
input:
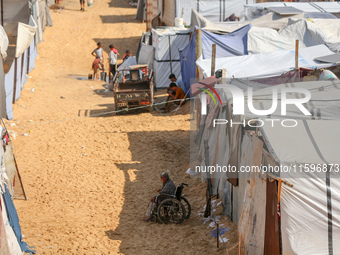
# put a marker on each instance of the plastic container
(89, 3)
(179, 22)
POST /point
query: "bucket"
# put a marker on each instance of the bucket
(179, 22)
(89, 76)
(89, 2)
(103, 76)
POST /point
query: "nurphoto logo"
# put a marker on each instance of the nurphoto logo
(239, 103)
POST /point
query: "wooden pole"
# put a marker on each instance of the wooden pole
(15, 79)
(2, 12)
(198, 48)
(213, 59)
(224, 76)
(182, 13)
(28, 59)
(297, 54)
(218, 238)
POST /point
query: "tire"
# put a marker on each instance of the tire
(171, 211)
(187, 207)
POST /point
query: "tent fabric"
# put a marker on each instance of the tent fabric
(322, 105)
(262, 40)
(162, 39)
(15, 11)
(307, 219)
(232, 44)
(131, 61)
(25, 36)
(3, 42)
(2, 92)
(13, 244)
(163, 70)
(214, 10)
(14, 221)
(255, 10)
(37, 18)
(146, 55)
(266, 65)
(9, 87)
(187, 62)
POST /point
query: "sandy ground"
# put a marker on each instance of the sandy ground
(88, 179)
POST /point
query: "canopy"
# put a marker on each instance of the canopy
(266, 65)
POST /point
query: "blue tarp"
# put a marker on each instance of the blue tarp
(230, 45)
(14, 221)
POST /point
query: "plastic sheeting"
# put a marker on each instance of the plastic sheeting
(131, 61)
(163, 70)
(213, 10)
(3, 42)
(232, 44)
(146, 55)
(25, 36)
(309, 223)
(2, 92)
(266, 65)
(15, 11)
(165, 40)
(309, 33)
(9, 87)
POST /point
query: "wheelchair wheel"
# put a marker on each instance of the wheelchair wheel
(187, 207)
(171, 211)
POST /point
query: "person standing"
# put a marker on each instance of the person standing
(96, 66)
(82, 5)
(98, 51)
(113, 59)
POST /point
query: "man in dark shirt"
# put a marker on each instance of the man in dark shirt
(168, 188)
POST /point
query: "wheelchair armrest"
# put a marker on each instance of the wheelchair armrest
(167, 195)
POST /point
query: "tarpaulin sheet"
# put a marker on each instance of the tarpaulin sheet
(266, 65)
(25, 36)
(232, 44)
(188, 67)
(9, 85)
(14, 220)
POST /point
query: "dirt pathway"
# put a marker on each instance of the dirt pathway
(88, 179)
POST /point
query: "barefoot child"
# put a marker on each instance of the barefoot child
(96, 66)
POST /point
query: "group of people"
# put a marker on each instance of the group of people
(98, 65)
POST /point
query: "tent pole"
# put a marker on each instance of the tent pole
(213, 60)
(15, 79)
(2, 12)
(170, 54)
(296, 54)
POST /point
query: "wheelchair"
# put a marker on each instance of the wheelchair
(171, 208)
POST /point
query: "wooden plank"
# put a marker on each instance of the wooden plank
(213, 60)
(297, 54)
(15, 79)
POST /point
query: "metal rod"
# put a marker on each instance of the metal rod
(170, 54)
(218, 236)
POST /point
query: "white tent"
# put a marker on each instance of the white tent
(213, 10)
(309, 33)
(256, 10)
(266, 65)
(167, 43)
(309, 201)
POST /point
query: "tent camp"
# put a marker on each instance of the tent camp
(290, 212)
(24, 33)
(167, 43)
(288, 8)
(265, 65)
(213, 10)
(10, 186)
